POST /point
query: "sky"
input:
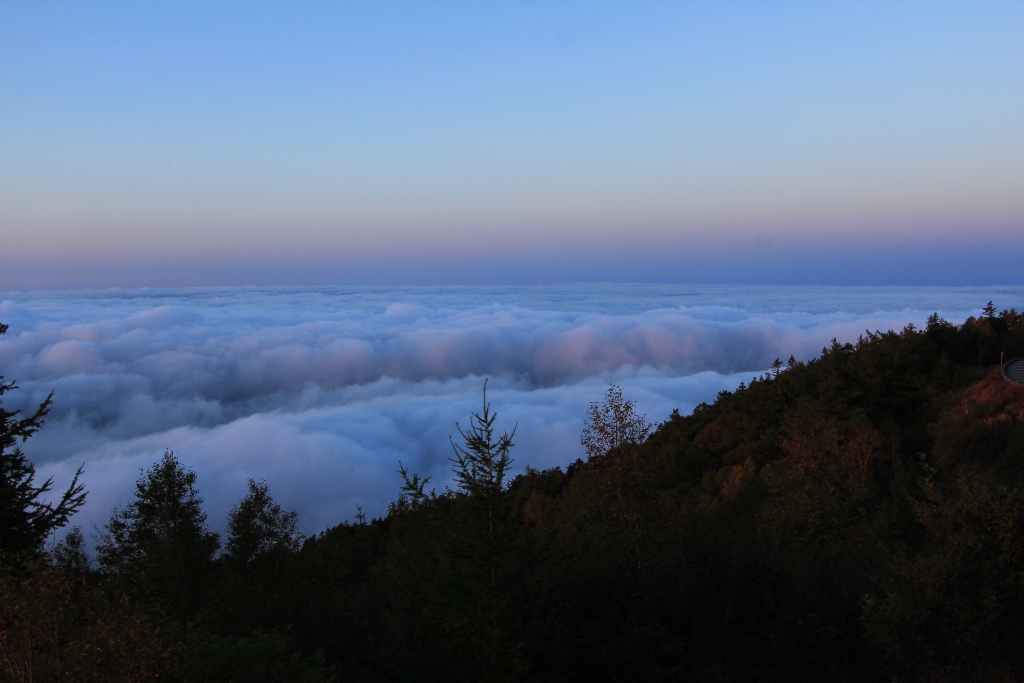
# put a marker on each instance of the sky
(322, 391)
(435, 143)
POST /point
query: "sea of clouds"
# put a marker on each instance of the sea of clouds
(322, 391)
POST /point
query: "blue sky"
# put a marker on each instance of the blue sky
(422, 143)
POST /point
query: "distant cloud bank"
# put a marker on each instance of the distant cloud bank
(322, 391)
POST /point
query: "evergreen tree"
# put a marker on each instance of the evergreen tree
(25, 519)
(161, 536)
(257, 525)
(482, 462)
(412, 494)
(480, 546)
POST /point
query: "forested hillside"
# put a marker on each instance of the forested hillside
(856, 517)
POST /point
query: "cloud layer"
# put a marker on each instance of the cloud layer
(322, 391)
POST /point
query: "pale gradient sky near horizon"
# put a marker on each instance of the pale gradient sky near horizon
(149, 144)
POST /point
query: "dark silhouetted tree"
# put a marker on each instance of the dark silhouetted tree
(25, 518)
(481, 462)
(412, 494)
(161, 536)
(69, 553)
(257, 525)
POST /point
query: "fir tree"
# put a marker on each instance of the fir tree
(25, 519)
(412, 494)
(481, 463)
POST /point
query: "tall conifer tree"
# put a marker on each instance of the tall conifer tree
(25, 518)
(161, 535)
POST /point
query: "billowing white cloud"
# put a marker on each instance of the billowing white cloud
(322, 392)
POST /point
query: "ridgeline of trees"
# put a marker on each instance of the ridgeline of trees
(856, 517)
